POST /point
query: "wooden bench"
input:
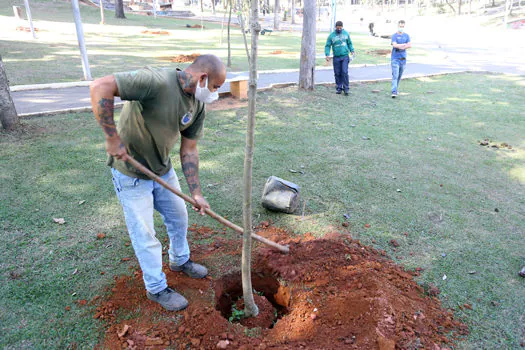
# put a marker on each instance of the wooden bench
(239, 86)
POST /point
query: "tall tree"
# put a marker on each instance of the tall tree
(8, 115)
(102, 19)
(307, 69)
(119, 9)
(293, 11)
(250, 308)
(276, 15)
(230, 4)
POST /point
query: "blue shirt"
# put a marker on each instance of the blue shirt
(397, 38)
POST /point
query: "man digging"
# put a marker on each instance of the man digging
(160, 105)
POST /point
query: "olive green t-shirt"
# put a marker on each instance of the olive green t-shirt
(156, 111)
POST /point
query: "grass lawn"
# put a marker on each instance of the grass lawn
(409, 169)
(120, 44)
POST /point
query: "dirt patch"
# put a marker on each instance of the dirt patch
(194, 26)
(329, 293)
(26, 29)
(224, 103)
(155, 32)
(281, 52)
(182, 58)
(489, 144)
(379, 52)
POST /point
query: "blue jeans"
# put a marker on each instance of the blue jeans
(398, 66)
(138, 199)
(341, 72)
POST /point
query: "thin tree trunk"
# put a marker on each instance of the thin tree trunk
(119, 9)
(452, 7)
(8, 115)
(213, 6)
(81, 41)
(229, 37)
(102, 20)
(243, 29)
(250, 308)
(307, 66)
(30, 18)
(202, 6)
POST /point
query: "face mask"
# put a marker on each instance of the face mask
(338, 31)
(204, 94)
(401, 30)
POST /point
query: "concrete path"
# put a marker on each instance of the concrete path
(456, 45)
(44, 99)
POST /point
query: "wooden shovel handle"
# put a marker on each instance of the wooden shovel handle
(208, 211)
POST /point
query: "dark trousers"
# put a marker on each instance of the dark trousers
(341, 72)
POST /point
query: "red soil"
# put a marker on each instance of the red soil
(156, 32)
(330, 293)
(183, 58)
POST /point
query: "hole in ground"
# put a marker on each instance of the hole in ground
(271, 297)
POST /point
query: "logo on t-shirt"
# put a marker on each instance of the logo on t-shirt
(186, 118)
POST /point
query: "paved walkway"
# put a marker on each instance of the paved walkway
(48, 98)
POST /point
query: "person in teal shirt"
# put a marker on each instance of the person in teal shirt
(341, 44)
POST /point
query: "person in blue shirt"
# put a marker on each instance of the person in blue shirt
(400, 43)
(340, 43)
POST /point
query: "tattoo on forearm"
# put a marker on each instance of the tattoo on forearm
(104, 116)
(190, 168)
(185, 79)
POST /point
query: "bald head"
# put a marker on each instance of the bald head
(205, 67)
(209, 64)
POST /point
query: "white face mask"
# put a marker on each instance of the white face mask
(204, 94)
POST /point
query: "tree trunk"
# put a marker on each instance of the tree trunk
(30, 18)
(276, 15)
(102, 20)
(293, 11)
(459, 7)
(452, 7)
(250, 308)
(307, 65)
(229, 37)
(213, 7)
(243, 29)
(8, 115)
(119, 9)
(202, 6)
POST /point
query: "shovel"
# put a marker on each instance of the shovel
(154, 177)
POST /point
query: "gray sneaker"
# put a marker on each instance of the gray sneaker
(169, 299)
(191, 269)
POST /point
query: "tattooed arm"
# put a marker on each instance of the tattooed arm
(103, 92)
(189, 157)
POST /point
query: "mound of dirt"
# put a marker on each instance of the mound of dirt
(156, 32)
(329, 293)
(26, 29)
(281, 52)
(182, 58)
